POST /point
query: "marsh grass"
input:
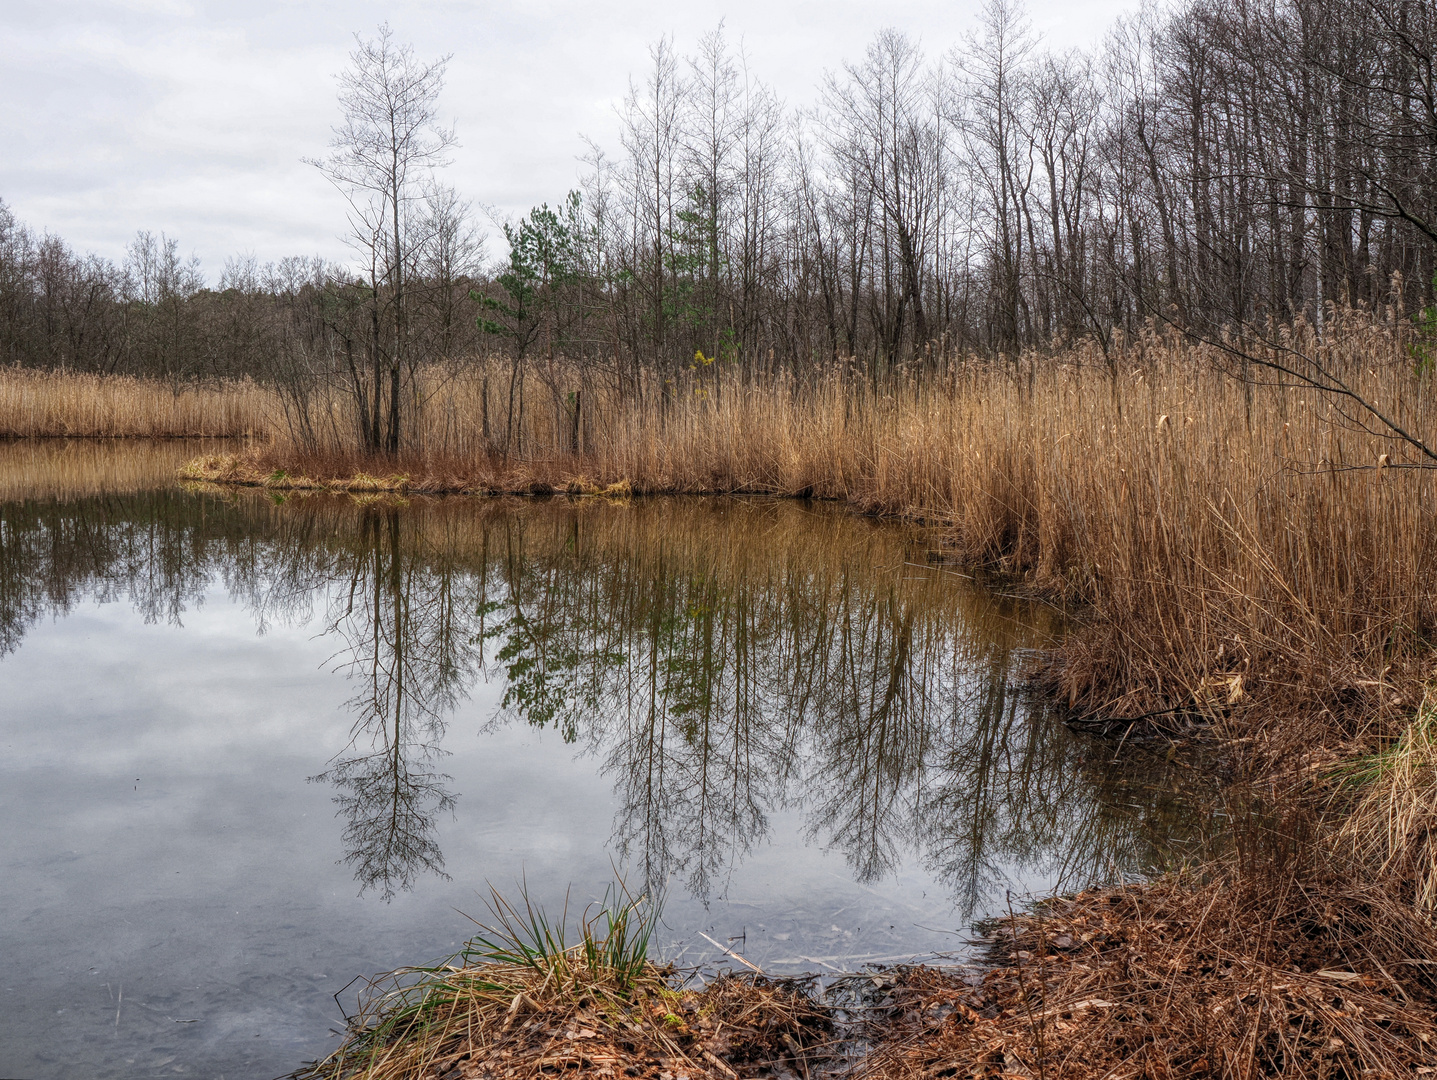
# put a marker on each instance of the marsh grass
(526, 996)
(611, 954)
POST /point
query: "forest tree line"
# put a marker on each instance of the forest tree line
(1218, 164)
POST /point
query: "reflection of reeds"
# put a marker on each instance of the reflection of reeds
(78, 468)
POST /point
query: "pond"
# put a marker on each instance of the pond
(255, 746)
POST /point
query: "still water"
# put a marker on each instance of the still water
(252, 747)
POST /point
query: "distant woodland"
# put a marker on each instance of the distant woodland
(1222, 164)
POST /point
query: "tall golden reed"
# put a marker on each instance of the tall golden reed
(49, 404)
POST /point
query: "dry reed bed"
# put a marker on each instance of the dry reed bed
(1237, 549)
(58, 404)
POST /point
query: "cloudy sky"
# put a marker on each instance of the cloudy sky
(192, 117)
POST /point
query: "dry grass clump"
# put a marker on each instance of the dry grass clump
(49, 404)
(249, 470)
(519, 1001)
(1392, 827)
(409, 473)
(1295, 978)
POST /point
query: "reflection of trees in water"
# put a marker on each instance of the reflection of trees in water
(721, 660)
(149, 550)
(391, 608)
(727, 662)
(406, 650)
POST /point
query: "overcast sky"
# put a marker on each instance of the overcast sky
(192, 117)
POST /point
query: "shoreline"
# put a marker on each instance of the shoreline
(265, 469)
(1214, 970)
(1165, 978)
(235, 470)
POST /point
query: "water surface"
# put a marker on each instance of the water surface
(256, 746)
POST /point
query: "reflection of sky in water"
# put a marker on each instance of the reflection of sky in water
(814, 746)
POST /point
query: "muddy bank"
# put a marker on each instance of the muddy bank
(1176, 978)
(1179, 978)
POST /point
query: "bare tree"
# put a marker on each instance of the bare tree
(158, 283)
(993, 65)
(887, 136)
(1223, 166)
(384, 155)
(651, 138)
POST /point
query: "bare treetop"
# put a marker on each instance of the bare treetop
(390, 129)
